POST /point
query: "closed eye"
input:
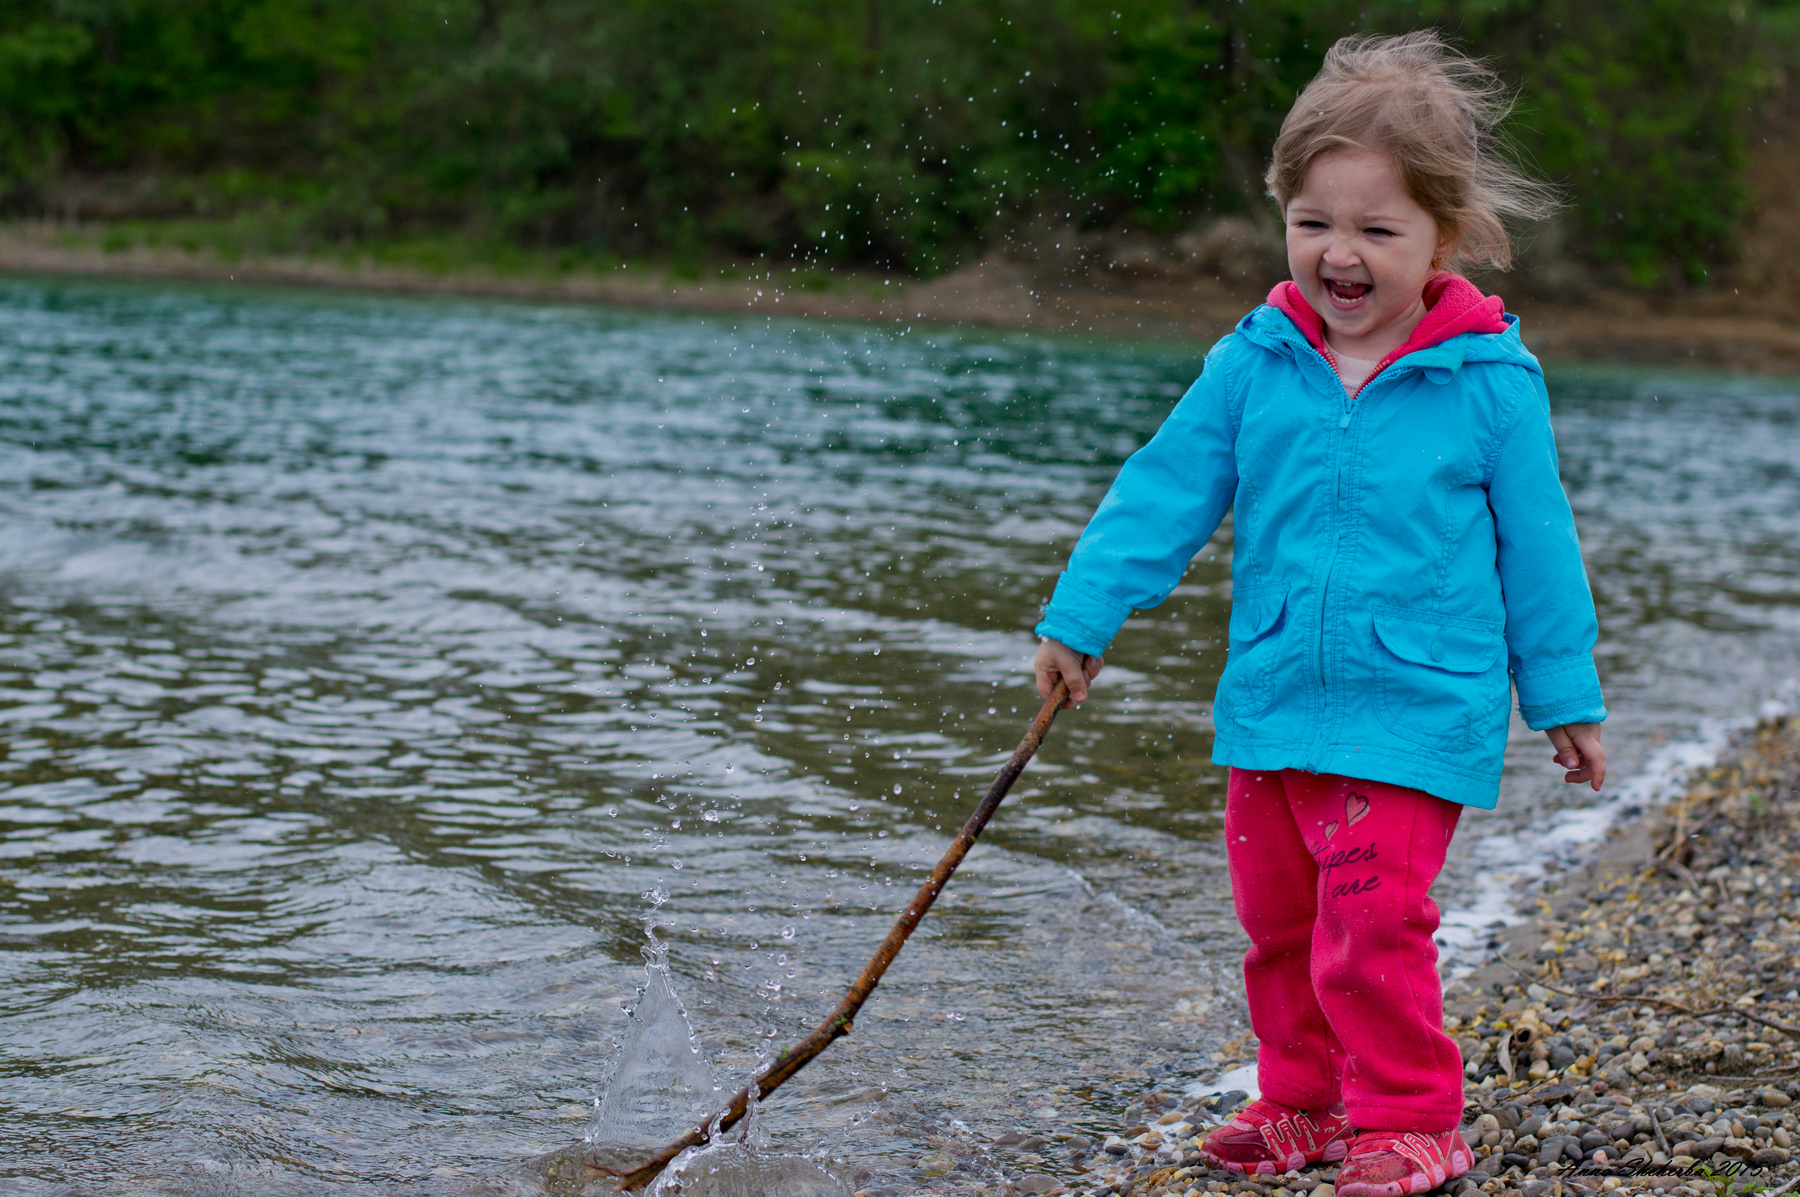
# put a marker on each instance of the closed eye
(1378, 231)
(1309, 224)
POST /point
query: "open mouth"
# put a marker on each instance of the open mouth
(1346, 292)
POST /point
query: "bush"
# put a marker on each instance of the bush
(903, 134)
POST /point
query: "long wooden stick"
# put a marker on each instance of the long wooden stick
(797, 1057)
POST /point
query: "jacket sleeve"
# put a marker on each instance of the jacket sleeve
(1166, 502)
(1550, 623)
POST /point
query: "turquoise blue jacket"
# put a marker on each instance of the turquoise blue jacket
(1400, 561)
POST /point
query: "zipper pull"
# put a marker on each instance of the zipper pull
(1345, 422)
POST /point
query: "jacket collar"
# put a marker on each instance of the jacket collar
(1454, 307)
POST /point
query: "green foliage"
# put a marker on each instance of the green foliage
(1196, 95)
(1641, 107)
(894, 133)
(37, 54)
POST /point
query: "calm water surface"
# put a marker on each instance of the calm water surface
(370, 669)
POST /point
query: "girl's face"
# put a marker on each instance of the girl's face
(1361, 250)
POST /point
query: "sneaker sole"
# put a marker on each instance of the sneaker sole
(1334, 1153)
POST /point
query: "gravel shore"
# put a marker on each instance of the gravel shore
(1642, 1031)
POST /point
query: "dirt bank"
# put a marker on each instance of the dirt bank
(1017, 288)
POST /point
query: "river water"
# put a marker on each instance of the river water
(372, 670)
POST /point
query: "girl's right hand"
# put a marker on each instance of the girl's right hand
(1056, 662)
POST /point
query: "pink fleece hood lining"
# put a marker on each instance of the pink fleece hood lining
(1453, 306)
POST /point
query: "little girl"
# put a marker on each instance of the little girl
(1403, 557)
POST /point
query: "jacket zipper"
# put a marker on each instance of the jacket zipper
(1337, 506)
(1315, 757)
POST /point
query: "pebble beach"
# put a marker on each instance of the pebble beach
(1640, 1031)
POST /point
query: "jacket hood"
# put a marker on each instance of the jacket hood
(1453, 307)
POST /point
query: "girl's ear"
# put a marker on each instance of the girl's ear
(1445, 247)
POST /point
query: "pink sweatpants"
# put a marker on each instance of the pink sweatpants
(1329, 875)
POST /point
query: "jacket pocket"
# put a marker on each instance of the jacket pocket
(1256, 632)
(1441, 678)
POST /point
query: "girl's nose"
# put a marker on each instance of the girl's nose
(1339, 253)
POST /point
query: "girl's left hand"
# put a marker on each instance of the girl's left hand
(1578, 750)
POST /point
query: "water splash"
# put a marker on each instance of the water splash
(661, 1083)
(739, 1170)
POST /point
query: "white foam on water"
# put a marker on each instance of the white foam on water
(737, 1170)
(1507, 863)
(1241, 1078)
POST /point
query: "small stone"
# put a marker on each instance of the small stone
(1037, 1182)
(1770, 1157)
(1774, 1098)
(1226, 1101)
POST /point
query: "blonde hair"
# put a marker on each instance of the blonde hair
(1435, 110)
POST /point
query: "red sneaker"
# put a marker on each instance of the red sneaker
(1266, 1138)
(1396, 1163)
